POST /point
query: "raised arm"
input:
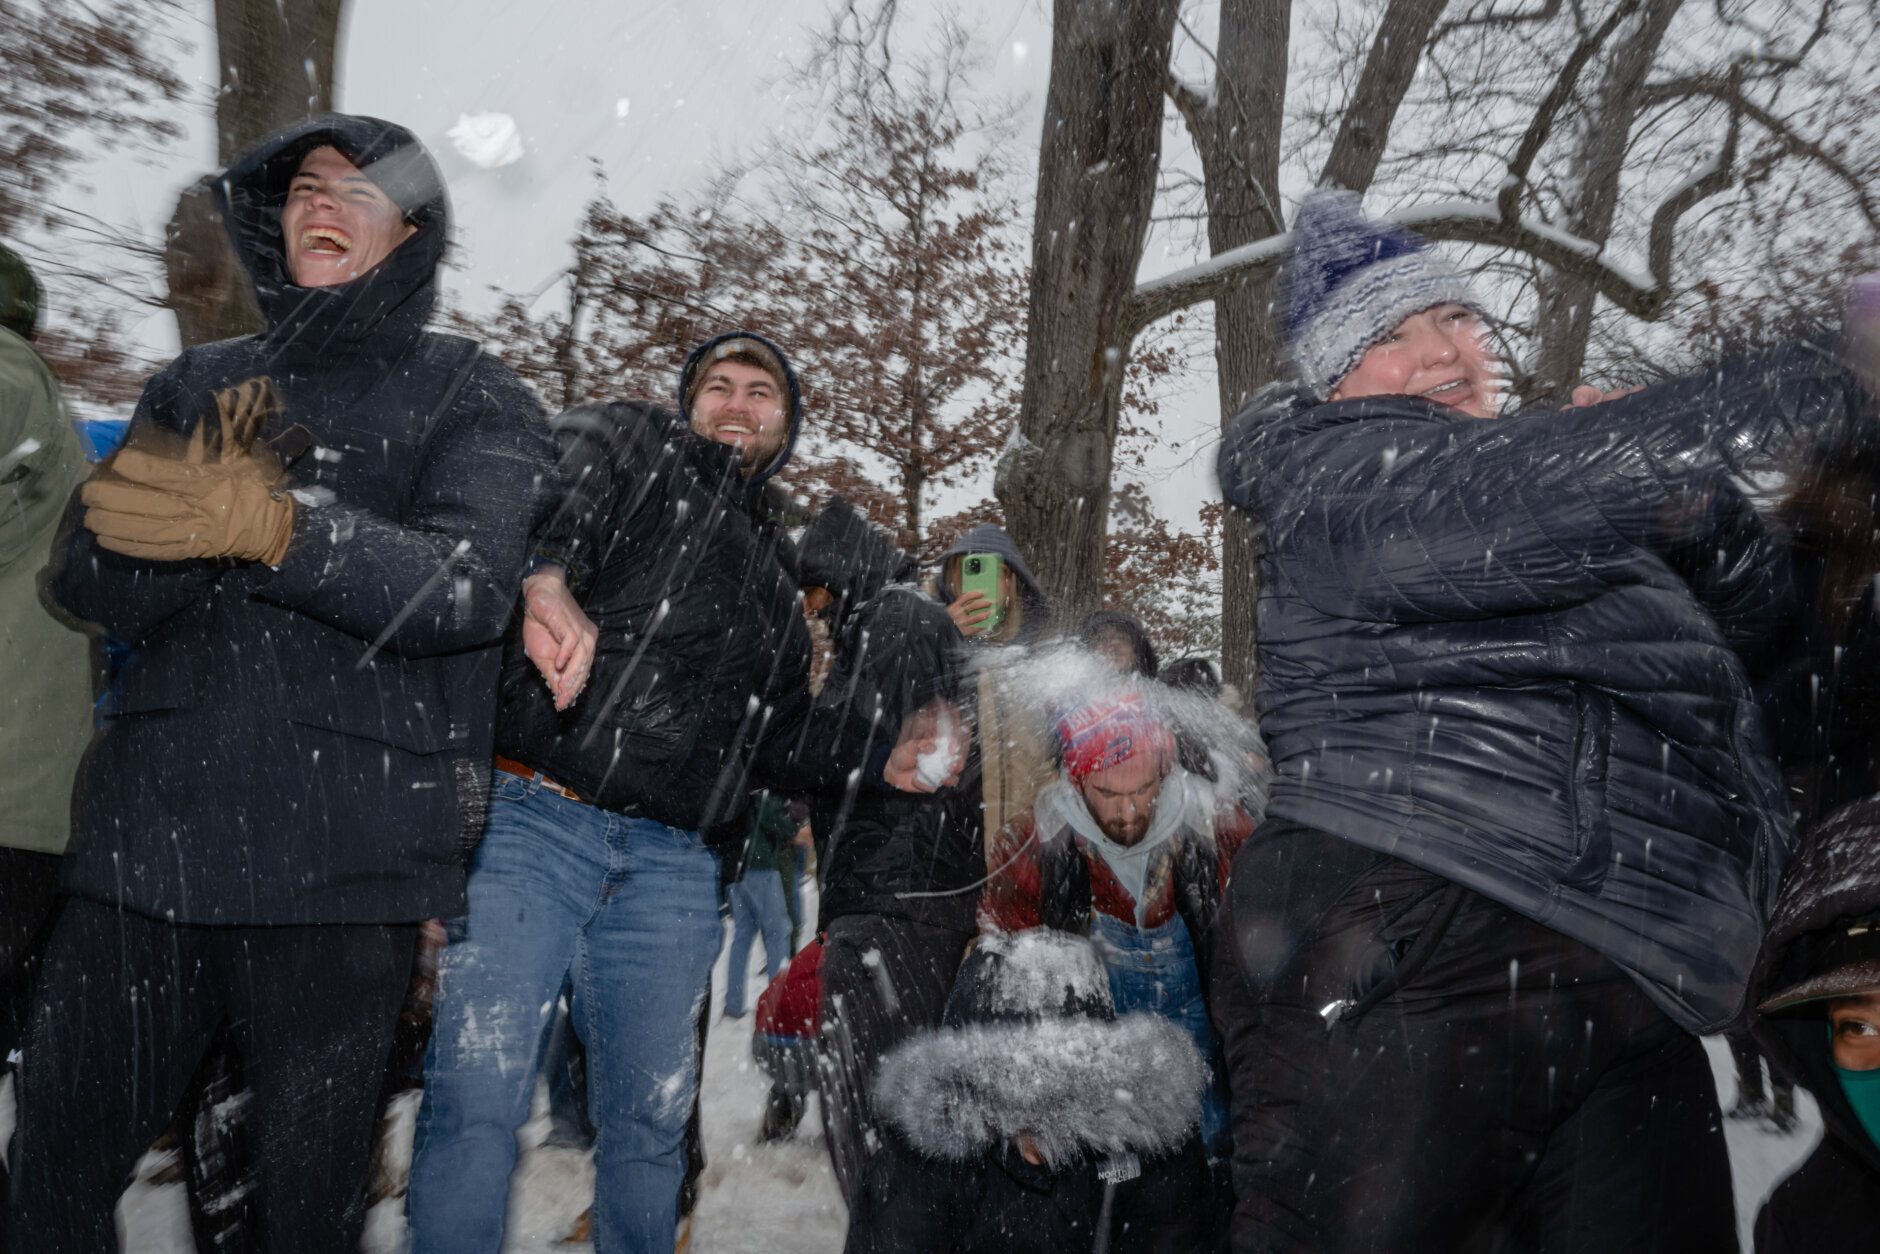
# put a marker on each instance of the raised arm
(1385, 510)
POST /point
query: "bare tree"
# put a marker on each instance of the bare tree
(1237, 122)
(73, 69)
(1096, 186)
(915, 293)
(276, 61)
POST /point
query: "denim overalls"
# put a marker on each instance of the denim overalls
(1154, 970)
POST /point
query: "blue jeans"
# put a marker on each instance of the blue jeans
(627, 910)
(1154, 970)
(757, 904)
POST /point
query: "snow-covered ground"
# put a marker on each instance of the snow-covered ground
(753, 1199)
(782, 1199)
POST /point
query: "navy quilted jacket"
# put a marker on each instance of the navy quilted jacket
(1513, 652)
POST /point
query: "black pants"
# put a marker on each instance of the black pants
(29, 895)
(883, 979)
(127, 1005)
(1487, 1085)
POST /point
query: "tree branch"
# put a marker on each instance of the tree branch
(1729, 91)
(1389, 69)
(1549, 9)
(1466, 222)
(1190, 101)
(1509, 197)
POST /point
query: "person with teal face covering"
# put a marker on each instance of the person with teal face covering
(1819, 1023)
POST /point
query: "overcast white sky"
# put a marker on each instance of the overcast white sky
(701, 81)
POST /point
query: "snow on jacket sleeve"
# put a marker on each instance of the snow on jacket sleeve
(1388, 509)
(445, 578)
(127, 596)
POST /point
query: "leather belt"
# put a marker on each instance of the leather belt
(528, 772)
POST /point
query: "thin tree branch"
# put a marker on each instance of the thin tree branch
(1729, 91)
(1509, 197)
(1467, 222)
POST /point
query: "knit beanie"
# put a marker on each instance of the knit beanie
(1107, 732)
(19, 295)
(1350, 281)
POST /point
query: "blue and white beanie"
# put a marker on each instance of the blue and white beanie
(1350, 281)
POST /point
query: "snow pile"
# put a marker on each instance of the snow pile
(487, 140)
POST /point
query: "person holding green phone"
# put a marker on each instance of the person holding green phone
(988, 590)
(994, 601)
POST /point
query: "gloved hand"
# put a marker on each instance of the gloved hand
(221, 495)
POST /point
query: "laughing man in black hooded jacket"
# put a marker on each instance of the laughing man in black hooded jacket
(312, 541)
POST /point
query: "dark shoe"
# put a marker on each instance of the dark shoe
(781, 1115)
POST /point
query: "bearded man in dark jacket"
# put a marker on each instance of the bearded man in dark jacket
(312, 540)
(1527, 826)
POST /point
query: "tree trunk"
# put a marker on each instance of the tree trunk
(1238, 133)
(1097, 169)
(1388, 71)
(1564, 319)
(1237, 130)
(276, 59)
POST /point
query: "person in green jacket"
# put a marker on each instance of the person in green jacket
(46, 693)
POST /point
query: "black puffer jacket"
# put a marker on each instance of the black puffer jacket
(702, 643)
(1510, 652)
(881, 851)
(310, 744)
(1834, 879)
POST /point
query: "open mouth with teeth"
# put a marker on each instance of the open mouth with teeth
(1454, 392)
(325, 241)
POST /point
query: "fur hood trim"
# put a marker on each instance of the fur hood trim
(1077, 1087)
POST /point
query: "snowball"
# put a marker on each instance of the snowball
(933, 767)
(488, 140)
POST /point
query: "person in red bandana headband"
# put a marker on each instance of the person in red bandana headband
(1127, 848)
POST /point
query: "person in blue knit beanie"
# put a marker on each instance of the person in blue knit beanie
(1352, 283)
(1527, 820)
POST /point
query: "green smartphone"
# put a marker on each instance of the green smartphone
(980, 572)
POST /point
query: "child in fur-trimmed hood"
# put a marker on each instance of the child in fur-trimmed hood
(1011, 1127)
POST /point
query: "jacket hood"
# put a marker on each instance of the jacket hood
(393, 299)
(1030, 1045)
(697, 355)
(1833, 880)
(850, 556)
(991, 538)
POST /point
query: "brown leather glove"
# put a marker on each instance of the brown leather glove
(219, 495)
